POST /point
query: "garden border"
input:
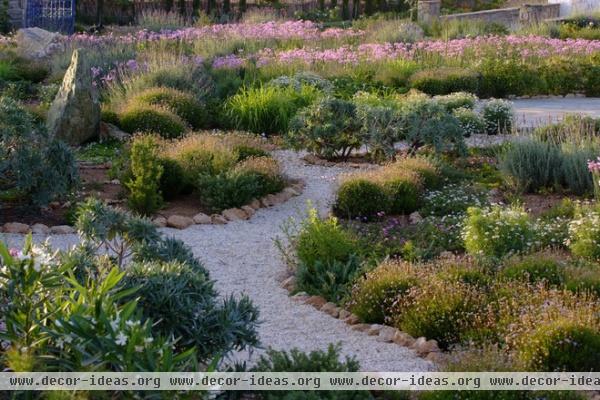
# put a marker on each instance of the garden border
(426, 349)
(178, 221)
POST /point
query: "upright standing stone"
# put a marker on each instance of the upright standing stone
(74, 115)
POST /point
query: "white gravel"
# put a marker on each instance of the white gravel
(242, 258)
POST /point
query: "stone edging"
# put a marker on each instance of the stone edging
(231, 214)
(175, 221)
(427, 349)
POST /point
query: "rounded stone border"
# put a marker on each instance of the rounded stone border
(176, 221)
(427, 349)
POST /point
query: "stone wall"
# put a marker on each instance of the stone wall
(429, 10)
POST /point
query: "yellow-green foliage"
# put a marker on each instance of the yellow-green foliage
(152, 119)
(179, 102)
(374, 294)
(146, 171)
(395, 188)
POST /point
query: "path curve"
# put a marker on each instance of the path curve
(242, 258)
(535, 112)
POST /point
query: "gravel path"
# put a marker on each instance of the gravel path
(242, 258)
(534, 112)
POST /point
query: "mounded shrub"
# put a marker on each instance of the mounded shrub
(471, 122)
(445, 80)
(181, 103)
(535, 268)
(172, 179)
(497, 231)
(584, 235)
(323, 240)
(152, 119)
(561, 346)
(328, 128)
(454, 101)
(330, 279)
(428, 172)
(374, 295)
(498, 116)
(440, 310)
(360, 197)
(404, 188)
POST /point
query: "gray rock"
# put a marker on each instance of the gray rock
(74, 115)
(16, 227)
(202, 219)
(386, 334)
(179, 221)
(40, 229)
(36, 43)
(62, 230)
(110, 131)
(415, 218)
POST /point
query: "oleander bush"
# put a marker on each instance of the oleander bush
(154, 119)
(438, 81)
(34, 167)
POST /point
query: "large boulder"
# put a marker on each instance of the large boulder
(36, 43)
(74, 115)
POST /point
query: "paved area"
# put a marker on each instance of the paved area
(534, 112)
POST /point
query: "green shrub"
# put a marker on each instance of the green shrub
(267, 109)
(182, 302)
(535, 268)
(323, 240)
(575, 175)
(584, 235)
(244, 152)
(152, 119)
(300, 79)
(452, 199)
(425, 122)
(445, 80)
(172, 179)
(501, 77)
(183, 76)
(498, 116)
(328, 128)
(497, 231)
(330, 280)
(374, 295)
(359, 197)
(454, 101)
(146, 171)
(562, 346)
(34, 168)
(439, 310)
(405, 189)
(380, 129)
(470, 122)
(530, 165)
(179, 102)
(315, 361)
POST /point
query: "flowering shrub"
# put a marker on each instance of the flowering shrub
(584, 235)
(498, 116)
(374, 294)
(57, 322)
(452, 199)
(497, 231)
(470, 122)
(457, 100)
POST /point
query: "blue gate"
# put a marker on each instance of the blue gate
(51, 15)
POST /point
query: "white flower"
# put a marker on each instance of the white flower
(121, 339)
(114, 324)
(139, 349)
(148, 340)
(131, 323)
